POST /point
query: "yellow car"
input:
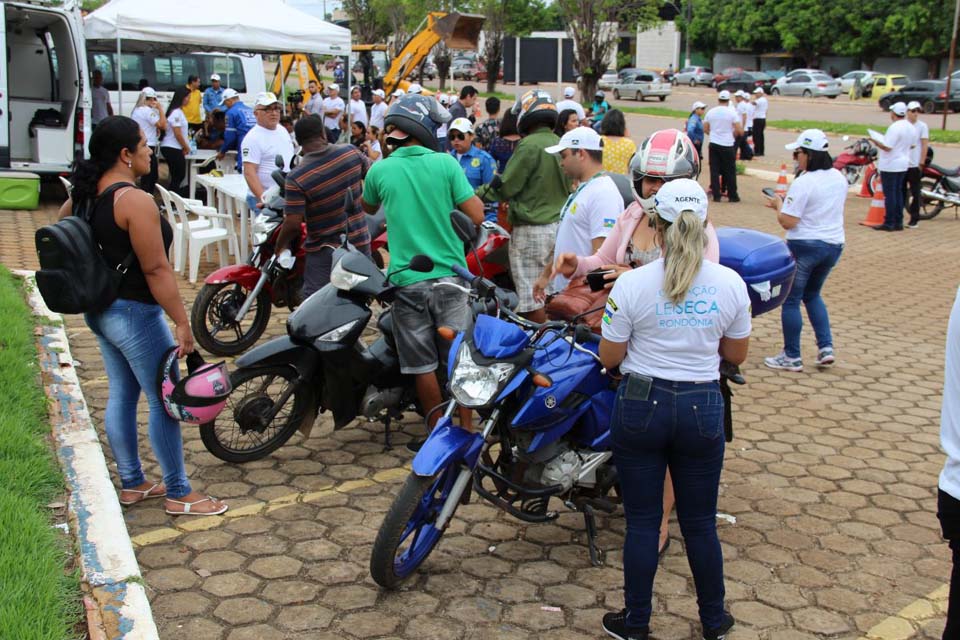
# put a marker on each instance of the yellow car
(883, 84)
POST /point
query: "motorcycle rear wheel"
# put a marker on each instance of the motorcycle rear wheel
(410, 520)
(239, 434)
(213, 305)
(929, 208)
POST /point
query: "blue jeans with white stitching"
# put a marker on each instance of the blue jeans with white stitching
(133, 337)
(678, 425)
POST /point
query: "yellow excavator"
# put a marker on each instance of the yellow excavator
(456, 30)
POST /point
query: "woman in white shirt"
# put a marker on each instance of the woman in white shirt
(176, 140)
(148, 114)
(812, 214)
(666, 325)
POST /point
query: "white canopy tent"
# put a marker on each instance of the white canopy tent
(242, 26)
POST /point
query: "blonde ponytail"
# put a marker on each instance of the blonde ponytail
(683, 241)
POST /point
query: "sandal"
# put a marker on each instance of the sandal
(143, 494)
(188, 507)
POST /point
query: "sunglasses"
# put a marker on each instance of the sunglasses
(458, 136)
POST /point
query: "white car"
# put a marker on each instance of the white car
(782, 80)
(848, 79)
(642, 84)
(607, 80)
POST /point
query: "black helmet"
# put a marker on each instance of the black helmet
(535, 107)
(417, 116)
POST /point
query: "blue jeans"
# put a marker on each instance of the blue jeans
(815, 259)
(133, 337)
(893, 183)
(678, 425)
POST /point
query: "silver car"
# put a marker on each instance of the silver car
(642, 85)
(694, 76)
(848, 79)
(607, 80)
(809, 85)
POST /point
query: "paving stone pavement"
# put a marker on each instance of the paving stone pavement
(831, 480)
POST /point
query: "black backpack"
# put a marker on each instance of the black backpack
(74, 277)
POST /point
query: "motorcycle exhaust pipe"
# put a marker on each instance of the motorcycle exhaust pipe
(949, 198)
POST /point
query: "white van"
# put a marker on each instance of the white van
(44, 106)
(166, 72)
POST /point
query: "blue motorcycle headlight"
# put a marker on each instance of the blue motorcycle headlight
(474, 385)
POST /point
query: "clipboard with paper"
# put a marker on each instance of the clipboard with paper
(876, 136)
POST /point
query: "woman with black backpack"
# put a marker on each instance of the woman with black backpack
(132, 332)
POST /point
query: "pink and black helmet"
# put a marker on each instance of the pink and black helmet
(201, 395)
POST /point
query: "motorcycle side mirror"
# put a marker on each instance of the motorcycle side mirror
(846, 138)
(279, 178)
(421, 264)
(278, 160)
(463, 226)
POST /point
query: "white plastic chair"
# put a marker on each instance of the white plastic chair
(221, 230)
(180, 232)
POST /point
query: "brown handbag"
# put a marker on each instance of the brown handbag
(576, 299)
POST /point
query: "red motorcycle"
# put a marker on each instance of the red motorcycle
(233, 307)
(940, 188)
(852, 161)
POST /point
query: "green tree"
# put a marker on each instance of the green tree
(863, 34)
(593, 25)
(368, 20)
(809, 28)
(921, 29)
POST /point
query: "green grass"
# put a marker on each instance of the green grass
(39, 599)
(664, 112)
(483, 94)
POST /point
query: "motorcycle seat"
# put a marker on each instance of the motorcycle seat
(953, 173)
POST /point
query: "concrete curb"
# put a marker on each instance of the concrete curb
(106, 553)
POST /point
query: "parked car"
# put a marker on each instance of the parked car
(463, 69)
(429, 71)
(746, 81)
(607, 81)
(725, 74)
(848, 79)
(642, 85)
(883, 84)
(694, 76)
(808, 85)
(929, 93)
(782, 80)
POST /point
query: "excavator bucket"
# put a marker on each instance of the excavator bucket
(458, 30)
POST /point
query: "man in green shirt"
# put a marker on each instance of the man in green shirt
(418, 188)
(537, 189)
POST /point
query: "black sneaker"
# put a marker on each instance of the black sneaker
(615, 624)
(721, 633)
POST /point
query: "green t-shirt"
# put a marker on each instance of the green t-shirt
(418, 189)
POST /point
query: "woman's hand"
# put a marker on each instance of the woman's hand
(774, 203)
(618, 270)
(184, 339)
(566, 265)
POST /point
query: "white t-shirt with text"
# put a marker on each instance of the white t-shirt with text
(329, 104)
(261, 146)
(176, 120)
(817, 198)
(900, 137)
(923, 133)
(147, 118)
(721, 120)
(590, 212)
(676, 342)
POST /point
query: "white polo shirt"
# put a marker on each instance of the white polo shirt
(329, 104)
(923, 133)
(377, 113)
(261, 146)
(147, 118)
(950, 409)
(721, 120)
(676, 341)
(817, 198)
(900, 136)
(358, 111)
(761, 105)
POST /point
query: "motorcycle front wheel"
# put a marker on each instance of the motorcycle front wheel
(214, 323)
(929, 208)
(243, 431)
(852, 174)
(407, 534)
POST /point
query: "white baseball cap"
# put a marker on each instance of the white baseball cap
(812, 139)
(333, 86)
(723, 95)
(228, 94)
(678, 196)
(443, 98)
(148, 92)
(379, 92)
(414, 88)
(899, 108)
(913, 105)
(698, 105)
(569, 92)
(215, 77)
(266, 98)
(579, 138)
(461, 124)
(398, 93)
(759, 90)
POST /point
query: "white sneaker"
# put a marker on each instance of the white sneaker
(781, 361)
(825, 357)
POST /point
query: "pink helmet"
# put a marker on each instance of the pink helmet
(667, 154)
(197, 398)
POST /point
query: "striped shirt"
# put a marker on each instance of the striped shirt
(316, 190)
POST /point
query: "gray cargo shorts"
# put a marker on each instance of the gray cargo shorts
(420, 349)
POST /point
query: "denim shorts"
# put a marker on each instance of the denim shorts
(420, 348)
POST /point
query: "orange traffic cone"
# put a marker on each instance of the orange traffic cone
(867, 177)
(877, 210)
(781, 188)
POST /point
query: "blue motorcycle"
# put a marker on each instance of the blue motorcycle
(545, 402)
